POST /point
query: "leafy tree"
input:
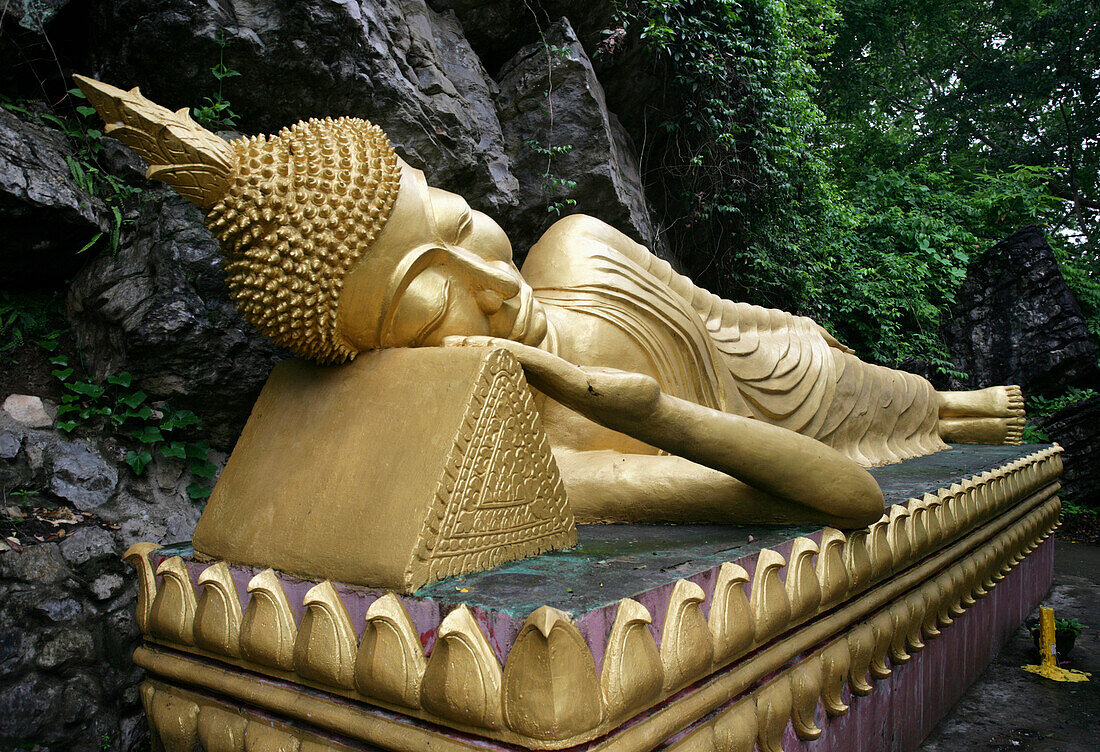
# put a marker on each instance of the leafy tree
(849, 158)
(978, 88)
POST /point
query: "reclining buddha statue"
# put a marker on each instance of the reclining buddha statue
(661, 402)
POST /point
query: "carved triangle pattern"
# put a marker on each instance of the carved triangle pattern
(501, 489)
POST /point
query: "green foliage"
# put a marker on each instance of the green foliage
(28, 317)
(1069, 625)
(1071, 508)
(732, 128)
(997, 88)
(554, 185)
(117, 408)
(896, 245)
(217, 113)
(1038, 405)
(848, 159)
(1082, 274)
(23, 497)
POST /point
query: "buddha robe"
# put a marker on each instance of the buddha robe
(735, 357)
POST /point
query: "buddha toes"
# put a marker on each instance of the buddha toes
(983, 416)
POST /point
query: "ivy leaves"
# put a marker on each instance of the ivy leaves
(117, 408)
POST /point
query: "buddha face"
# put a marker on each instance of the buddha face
(437, 269)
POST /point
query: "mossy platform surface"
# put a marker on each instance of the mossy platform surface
(611, 562)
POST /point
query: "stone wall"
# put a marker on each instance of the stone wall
(67, 600)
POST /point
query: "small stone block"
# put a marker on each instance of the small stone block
(27, 410)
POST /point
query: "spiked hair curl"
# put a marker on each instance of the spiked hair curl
(301, 208)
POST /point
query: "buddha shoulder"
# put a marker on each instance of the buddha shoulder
(572, 249)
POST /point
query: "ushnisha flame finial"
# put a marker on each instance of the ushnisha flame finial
(191, 159)
(294, 212)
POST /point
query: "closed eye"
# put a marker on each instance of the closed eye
(465, 226)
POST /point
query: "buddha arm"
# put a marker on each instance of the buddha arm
(610, 486)
(771, 459)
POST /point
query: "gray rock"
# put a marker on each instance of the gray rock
(550, 99)
(180, 527)
(44, 214)
(16, 650)
(1077, 429)
(497, 29)
(141, 528)
(35, 449)
(79, 698)
(384, 61)
(28, 410)
(134, 732)
(81, 476)
(145, 513)
(35, 14)
(107, 586)
(38, 565)
(29, 706)
(167, 472)
(88, 544)
(66, 646)
(160, 310)
(1016, 322)
(9, 445)
(60, 610)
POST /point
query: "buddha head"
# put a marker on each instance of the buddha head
(333, 244)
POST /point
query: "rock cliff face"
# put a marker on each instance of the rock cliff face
(494, 99)
(67, 600)
(159, 310)
(1016, 322)
(44, 214)
(560, 132)
(1077, 429)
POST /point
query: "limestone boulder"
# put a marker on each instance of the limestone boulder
(567, 148)
(81, 476)
(27, 409)
(1077, 429)
(1016, 322)
(46, 217)
(397, 63)
(159, 309)
(497, 29)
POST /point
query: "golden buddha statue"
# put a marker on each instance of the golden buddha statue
(661, 401)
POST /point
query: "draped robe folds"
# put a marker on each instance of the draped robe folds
(735, 357)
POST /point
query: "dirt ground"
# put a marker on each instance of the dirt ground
(1010, 709)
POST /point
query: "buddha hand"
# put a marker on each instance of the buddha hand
(611, 397)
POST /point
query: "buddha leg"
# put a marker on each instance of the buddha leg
(982, 416)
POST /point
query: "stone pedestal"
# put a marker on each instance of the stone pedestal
(686, 638)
